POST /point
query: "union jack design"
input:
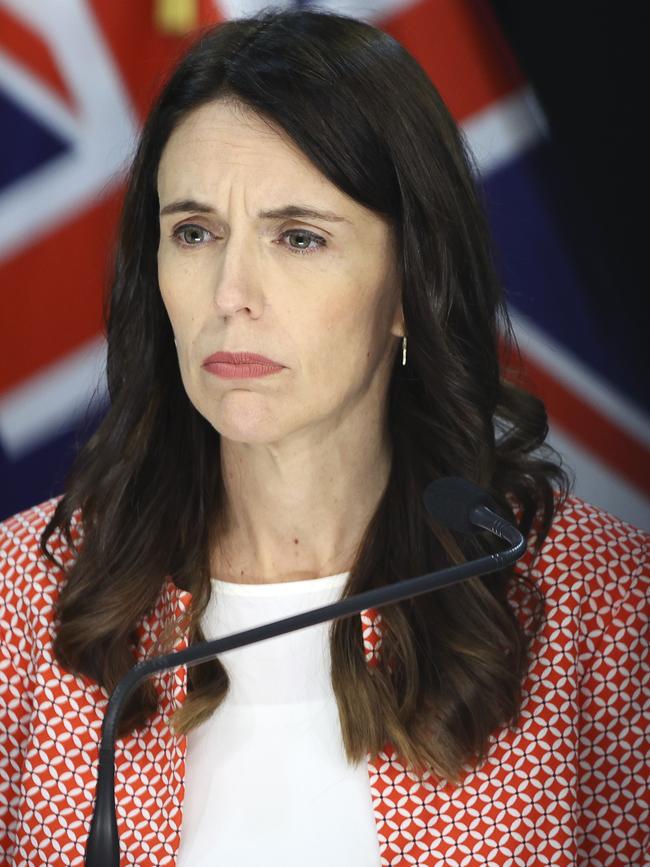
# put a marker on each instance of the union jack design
(75, 83)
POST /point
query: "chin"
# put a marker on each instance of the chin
(247, 428)
(246, 416)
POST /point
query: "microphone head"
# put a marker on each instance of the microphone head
(450, 501)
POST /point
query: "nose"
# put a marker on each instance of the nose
(237, 281)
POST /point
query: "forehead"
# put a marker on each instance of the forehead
(228, 141)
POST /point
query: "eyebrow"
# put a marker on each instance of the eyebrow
(286, 211)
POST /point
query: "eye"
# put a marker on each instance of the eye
(308, 237)
(189, 234)
(193, 235)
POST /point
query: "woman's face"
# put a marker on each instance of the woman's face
(234, 280)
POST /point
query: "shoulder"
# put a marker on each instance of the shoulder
(28, 579)
(592, 570)
(594, 552)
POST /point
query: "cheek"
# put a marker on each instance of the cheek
(166, 283)
(352, 322)
(335, 339)
(178, 293)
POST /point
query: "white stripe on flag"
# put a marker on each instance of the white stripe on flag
(599, 485)
(504, 129)
(579, 378)
(101, 130)
(53, 400)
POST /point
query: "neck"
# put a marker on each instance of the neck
(296, 510)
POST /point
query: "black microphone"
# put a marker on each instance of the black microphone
(464, 507)
(455, 503)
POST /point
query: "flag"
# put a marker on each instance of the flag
(76, 81)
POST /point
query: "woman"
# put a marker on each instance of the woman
(301, 193)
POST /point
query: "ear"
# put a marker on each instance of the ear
(398, 328)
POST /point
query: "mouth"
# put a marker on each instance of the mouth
(240, 358)
(240, 365)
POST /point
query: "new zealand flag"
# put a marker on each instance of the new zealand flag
(76, 79)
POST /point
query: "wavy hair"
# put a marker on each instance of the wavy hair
(147, 484)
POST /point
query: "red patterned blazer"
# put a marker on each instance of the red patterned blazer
(568, 786)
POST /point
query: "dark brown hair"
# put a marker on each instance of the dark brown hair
(147, 484)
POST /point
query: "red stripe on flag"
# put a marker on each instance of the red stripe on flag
(31, 52)
(143, 54)
(459, 44)
(613, 445)
(51, 300)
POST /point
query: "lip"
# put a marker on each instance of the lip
(240, 358)
(240, 365)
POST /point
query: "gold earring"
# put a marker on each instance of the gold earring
(403, 351)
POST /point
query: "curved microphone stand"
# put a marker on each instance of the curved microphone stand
(456, 503)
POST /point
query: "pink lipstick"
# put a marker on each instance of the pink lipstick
(240, 365)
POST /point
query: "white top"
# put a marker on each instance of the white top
(267, 780)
